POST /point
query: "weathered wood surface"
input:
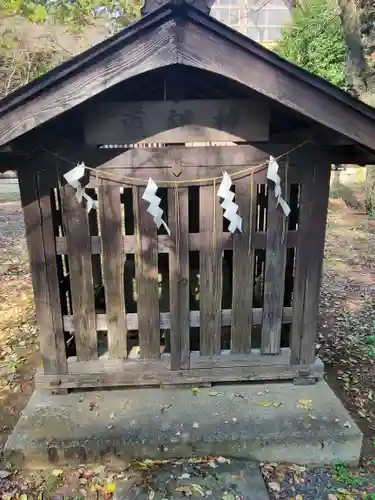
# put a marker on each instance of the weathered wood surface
(315, 255)
(77, 236)
(210, 271)
(163, 158)
(56, 216)
(113, 268)
(41, 246)
(304, 243)
(165, 176)
(164, 320)
(94, 231)
(202, 120)
(243, 266)
(122, 58)
(157, 372)
(235, 56)
(140, 49)
(146, 266)
(274, 273)
(164, 245)
(178, 222)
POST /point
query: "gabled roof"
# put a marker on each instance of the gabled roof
(178, 33)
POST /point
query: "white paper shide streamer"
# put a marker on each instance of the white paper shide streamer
(154, 201)
(273, 176)
(72, 178)
(228, 204)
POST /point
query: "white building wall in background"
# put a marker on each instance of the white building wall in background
(261, 20)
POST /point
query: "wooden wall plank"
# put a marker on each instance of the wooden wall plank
(113, 268)
(274, 273)
(156, 372)
(146, 266)
(42, 255)
(57, 223)
(165, 319)
(304, 242)
(79, 253)
(243, 266)
(181, 121)
(210, 271)
(159, 175)
(259, 240)
(145, 158)
(178, 222)
(315, 255)
(95, 259)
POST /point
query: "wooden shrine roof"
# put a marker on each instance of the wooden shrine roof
(179, 33)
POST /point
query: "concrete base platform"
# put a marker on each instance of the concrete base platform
(262, 422)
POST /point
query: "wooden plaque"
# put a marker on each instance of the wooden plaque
(216, 120)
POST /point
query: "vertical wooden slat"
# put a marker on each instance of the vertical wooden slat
(113, 268)
(303, 244)
(36, 203)
(95, 259)
(274, 273)
(210, 271)
(178, 221)
(146, 267)
(243, 267)
(57, 222)
(322, 172)
(78, 244)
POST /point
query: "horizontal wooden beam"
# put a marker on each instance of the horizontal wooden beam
(165, 319)
(165, 243)
(202, 120)
(117, 373)
(224, 360)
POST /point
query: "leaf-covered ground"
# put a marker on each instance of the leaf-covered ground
(346, 343)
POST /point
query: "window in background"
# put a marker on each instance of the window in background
(274, 33)
(278, 17)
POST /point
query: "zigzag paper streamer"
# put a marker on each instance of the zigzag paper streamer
(72, 178)
(154, 201)
(228, 204)
(273, 176)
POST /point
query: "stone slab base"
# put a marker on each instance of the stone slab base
(262, 422)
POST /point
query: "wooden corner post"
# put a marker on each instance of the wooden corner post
(37, 208)
(309, 262)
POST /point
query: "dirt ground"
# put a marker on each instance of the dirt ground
(346, 343)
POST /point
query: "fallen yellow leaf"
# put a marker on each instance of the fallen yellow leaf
(264, 404)
(198, 489)
(195, 391)
(305, 404)
(213, 393)
(110, 488)
(57, 472)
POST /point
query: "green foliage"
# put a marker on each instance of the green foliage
(36, 35)
(315, 41)
(33, 11)
(344, 475)
(75, 14)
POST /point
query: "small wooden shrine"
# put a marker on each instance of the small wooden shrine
(181, 285)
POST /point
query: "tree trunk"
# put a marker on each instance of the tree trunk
(357, 70)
